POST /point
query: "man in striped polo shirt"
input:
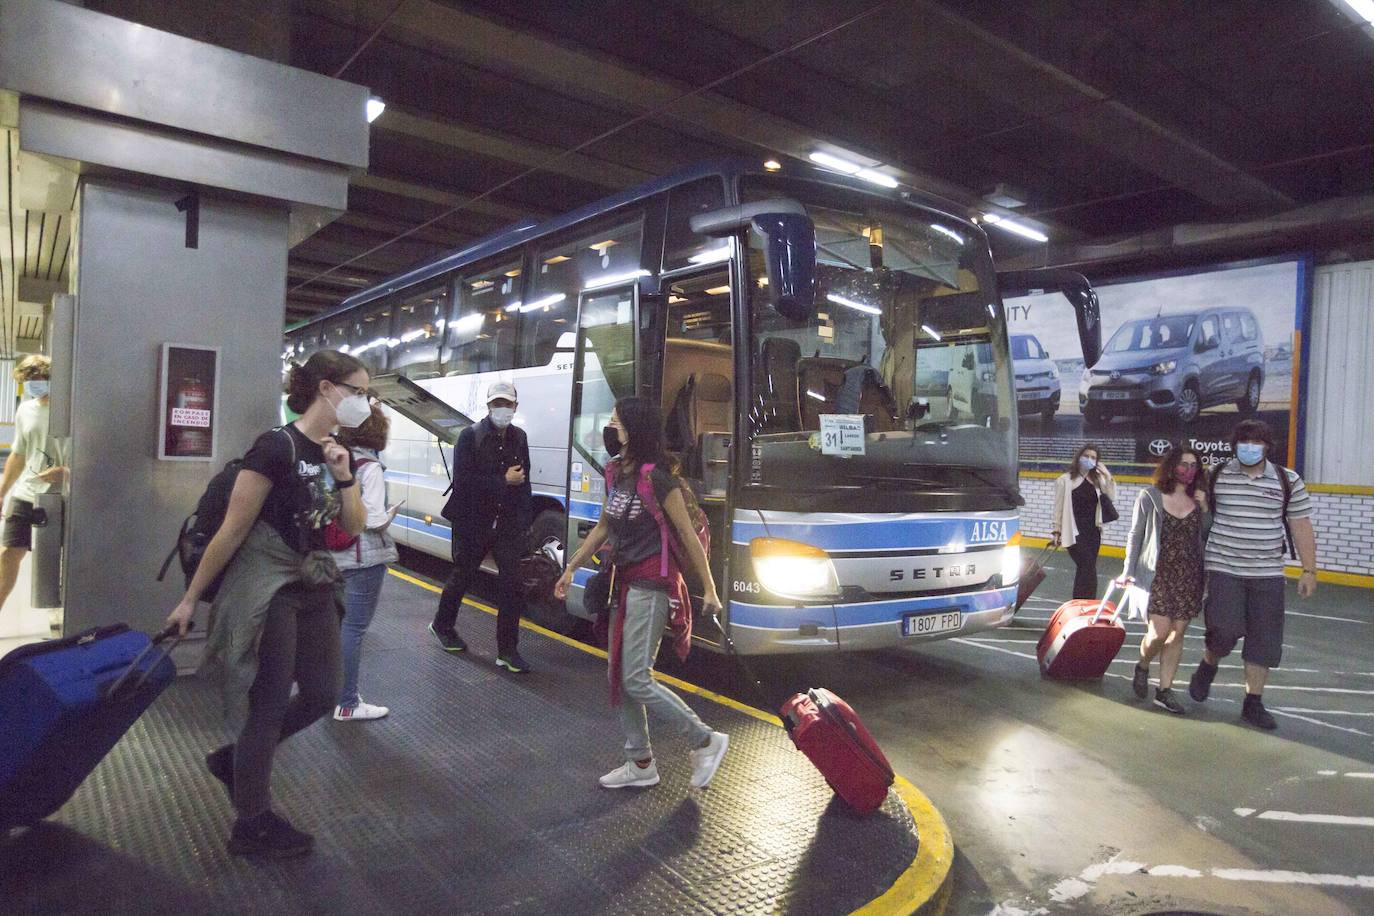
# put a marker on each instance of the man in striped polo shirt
(1244, 559)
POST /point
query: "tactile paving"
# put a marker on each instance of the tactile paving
(477, 795)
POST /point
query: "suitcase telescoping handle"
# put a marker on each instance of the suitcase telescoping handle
(1116, 611)
(759, 693)
(168, 639)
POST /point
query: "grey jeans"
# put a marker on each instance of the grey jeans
(646, 616)
(300, 644)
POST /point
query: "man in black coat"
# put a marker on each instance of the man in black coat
(490, 511)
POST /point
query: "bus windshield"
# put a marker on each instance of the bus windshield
(908, 344)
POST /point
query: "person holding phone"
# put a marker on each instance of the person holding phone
(1081, 496)
(490, 510)
(364, 562)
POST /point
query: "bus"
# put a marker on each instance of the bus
(832, 360)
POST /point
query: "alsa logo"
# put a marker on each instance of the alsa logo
(988, 533)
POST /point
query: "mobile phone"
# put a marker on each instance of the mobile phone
(399, 504)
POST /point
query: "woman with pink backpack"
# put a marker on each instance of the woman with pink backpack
(648, 522)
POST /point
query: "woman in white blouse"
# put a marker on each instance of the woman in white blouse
(1077, 521)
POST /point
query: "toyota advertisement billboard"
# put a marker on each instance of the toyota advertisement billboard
(1185, 356)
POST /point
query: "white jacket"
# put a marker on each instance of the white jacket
(1062, 519)
(374, 546)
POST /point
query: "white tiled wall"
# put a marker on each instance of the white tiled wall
(1344, 523)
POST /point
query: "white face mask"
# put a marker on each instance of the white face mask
(501, 416)
(352, 411)
(37, 388)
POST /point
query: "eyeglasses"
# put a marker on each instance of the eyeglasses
(353, 388)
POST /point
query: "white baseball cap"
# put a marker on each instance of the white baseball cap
(501, 390)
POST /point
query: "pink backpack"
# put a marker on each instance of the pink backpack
(644, 488)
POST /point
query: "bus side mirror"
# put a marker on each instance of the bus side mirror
(1076, 289)
(789, 249)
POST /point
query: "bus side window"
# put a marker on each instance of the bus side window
(369, 336)
(563, 269)
(418, 328)
(483, 327)
(682, 246)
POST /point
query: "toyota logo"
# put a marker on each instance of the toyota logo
(1160, 447)
(1115, 376)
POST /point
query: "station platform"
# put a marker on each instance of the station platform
(478, 794)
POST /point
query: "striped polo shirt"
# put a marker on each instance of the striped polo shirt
(1247, 521)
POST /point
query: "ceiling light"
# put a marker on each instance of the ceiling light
(876, 177)
(1009, 225)
(513, 307)
(416, 334)
(856, 306)
(542, 303)
(1363, 8)
(469, 323)
(600, 247)
(930, 331)
(836, 163)
(1004, 195)
(513, 273)
(772, 165)
(712, 256)
(557, 259)
(613, 279)
(717, 291)
(819, 397)
(375, 107)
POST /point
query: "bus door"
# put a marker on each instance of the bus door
(603, 371)
(698, 401)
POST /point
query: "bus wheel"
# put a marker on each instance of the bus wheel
(548, 549)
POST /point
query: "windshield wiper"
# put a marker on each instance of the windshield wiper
(1009, 492)
(878, 478)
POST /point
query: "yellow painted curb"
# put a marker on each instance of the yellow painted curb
(923, 887)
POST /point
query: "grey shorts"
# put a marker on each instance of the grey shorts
(1244, 608)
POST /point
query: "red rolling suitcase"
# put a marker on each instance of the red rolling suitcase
(1082, 639)
(832, 737)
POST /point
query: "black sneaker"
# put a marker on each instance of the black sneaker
(220, 763)
(513, 663)
(1164, 699)
(1254, 712)
(1140, 682)
(268, 834)
(1201, 683)
(449, 639)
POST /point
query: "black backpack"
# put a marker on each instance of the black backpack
(1284, 482)
(200, 526)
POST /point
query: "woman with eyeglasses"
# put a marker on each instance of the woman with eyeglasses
(275, 619)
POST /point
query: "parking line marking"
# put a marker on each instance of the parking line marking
(1323, 712)
(1360, 775)
(1279, 876)
(1339, 820)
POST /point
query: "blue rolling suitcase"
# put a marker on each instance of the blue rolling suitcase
(63, 706)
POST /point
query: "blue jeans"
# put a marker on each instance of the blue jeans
(362, 588)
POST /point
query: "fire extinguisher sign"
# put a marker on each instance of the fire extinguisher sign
(188, 382)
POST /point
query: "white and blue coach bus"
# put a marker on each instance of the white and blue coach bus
(832, 360)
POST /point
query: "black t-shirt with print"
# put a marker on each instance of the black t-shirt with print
(303, 498)
(634, 533)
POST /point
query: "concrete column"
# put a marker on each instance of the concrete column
(138, 286)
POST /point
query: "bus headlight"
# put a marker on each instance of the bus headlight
(1011, 560)
(790, 569)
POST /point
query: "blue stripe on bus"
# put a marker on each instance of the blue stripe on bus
(585, 510)
(873, 534)
(419, 525)
(851, 615)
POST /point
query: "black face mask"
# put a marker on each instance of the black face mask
(610, 436)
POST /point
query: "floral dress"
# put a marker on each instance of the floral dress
(1177, 590)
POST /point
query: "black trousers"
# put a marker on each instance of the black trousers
(506, 543)
(1084, 552)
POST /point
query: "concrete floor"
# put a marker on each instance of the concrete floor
(1077, 798)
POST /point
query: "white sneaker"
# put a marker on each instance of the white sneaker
(631, 774)
(706, 760)
(359, 712)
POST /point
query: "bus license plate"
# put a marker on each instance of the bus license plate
(929, 624)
